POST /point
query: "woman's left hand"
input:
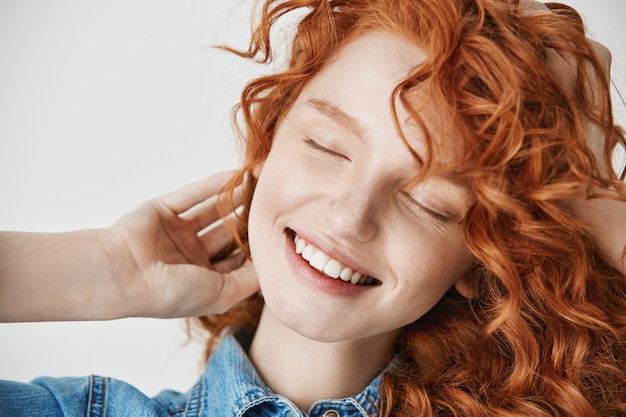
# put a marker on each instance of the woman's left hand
(606, 217)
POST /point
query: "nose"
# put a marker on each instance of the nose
(353, 213)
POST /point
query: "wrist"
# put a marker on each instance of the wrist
(125, 286)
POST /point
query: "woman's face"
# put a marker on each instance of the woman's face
(338, 181)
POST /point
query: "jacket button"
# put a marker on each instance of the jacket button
(331, 413)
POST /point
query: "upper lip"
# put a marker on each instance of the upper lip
(335, 253)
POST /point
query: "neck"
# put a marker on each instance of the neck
(306, 370)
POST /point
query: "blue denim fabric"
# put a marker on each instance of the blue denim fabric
(230, 386)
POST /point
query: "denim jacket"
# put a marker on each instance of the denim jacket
(229, 386)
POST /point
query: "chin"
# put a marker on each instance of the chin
(312, 323)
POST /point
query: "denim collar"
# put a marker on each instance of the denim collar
(231, 386)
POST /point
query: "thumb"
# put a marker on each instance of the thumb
(191, 290)
(237, 285)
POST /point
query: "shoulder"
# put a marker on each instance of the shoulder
(92, 396)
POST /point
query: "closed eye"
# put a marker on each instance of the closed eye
(313, 144)
(432, 213)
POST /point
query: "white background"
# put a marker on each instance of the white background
(105, 104)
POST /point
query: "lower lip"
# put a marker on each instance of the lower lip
(317, 280)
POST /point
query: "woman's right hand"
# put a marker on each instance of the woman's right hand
(167, 245)
(156, 261)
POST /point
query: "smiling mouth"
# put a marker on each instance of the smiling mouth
(329, 266)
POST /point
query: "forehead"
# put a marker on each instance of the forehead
(375, 60)
(360, 81)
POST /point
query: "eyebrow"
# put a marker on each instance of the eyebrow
(345, 120)
(338, 116)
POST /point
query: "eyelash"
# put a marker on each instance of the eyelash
(313, 144)
(437, 216)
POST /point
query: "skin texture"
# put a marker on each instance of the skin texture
(339, 175)
(154, 262)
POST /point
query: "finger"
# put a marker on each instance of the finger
(207, 212)
(232, 262)
(191, 290)
(531, 7)
(216, 239)
(604, 55)
(237, 285)
(188, 196)
(563, 67)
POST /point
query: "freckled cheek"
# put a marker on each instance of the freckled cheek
(297, 180)
(432, 265)
(280, 189)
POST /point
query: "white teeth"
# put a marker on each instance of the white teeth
(331, 267)
(346, 274)
(300, 245)
(308, 252)
(319, 260)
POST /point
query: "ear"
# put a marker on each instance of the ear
(467, 286)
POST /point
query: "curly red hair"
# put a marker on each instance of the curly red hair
(546, 333)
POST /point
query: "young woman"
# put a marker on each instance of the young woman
(425, 197)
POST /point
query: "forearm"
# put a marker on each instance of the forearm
(60, 276)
